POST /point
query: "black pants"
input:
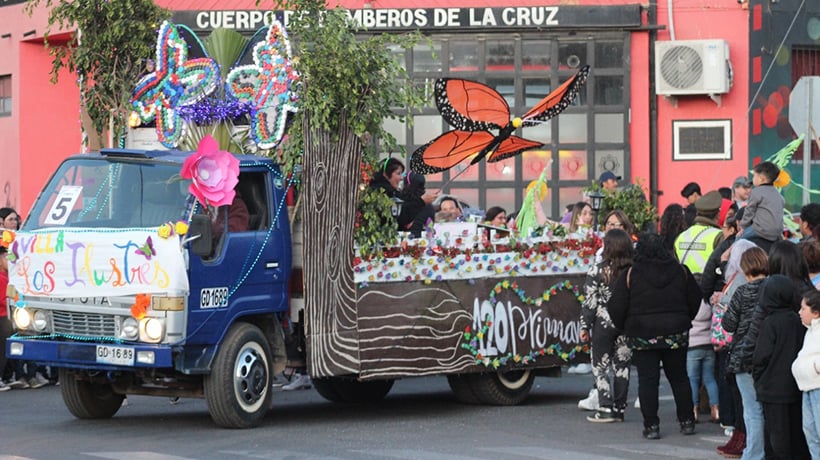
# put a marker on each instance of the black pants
(649, 374)
(725, 397)
(784, 431)
(6, 330)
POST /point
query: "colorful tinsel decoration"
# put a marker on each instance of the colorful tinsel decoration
(536, 301)
(176, 82)
(268, 86)
(210, 111)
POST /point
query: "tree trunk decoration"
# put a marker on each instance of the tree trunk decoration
(331, 165)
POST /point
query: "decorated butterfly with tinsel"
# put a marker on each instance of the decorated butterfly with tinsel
(268, 84)
(147, 250)
(176, 82)
(474, 110)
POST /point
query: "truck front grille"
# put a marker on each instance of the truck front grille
(88, 324)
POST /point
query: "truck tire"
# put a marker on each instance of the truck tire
(348, 390)
(460, 384)
(238, 389)
(502, 388)
(88, 400)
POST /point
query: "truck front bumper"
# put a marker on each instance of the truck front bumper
(89, 355)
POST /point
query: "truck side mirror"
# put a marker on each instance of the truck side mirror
(200, 229)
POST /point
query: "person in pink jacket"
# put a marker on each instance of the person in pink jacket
(806, 370)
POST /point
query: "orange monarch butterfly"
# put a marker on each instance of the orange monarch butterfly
(474, 109)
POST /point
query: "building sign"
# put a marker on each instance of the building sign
(428, 19)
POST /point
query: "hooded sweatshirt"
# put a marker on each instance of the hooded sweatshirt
(660, 302)
(805, 368)
(779, 341)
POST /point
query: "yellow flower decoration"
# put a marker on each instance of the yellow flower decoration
(165, 231)
(181, 227)
(8, 238)
(783, 179)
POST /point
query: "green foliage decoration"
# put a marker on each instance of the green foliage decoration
(374, 228)
(356, 79)
(631, 200)
(108, 49)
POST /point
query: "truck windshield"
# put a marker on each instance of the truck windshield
(102, 193)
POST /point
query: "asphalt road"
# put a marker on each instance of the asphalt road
(420, 419)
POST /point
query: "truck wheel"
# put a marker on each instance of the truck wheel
(502, 388)
(238, 388)
(460, 384)
(86, 399)
(341, 389)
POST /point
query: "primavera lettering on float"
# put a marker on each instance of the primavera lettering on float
(89, 263)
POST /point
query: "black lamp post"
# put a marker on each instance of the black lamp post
(596, 200)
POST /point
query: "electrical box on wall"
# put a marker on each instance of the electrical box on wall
(690, 67)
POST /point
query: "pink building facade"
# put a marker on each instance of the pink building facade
(621, 122)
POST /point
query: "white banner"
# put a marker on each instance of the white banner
(92, 263)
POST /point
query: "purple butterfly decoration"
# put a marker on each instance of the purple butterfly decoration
(268, 86)
(176, 82)
(147, 250)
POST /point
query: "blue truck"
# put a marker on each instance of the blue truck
(120, 280)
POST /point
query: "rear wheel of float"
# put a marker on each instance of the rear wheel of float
(502, 388)
(350, 390)
(462, 388)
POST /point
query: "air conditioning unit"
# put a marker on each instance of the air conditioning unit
(685, 67)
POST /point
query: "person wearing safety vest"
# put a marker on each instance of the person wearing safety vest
(695, 244)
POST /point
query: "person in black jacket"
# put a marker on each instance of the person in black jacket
(417, 201)
(654, 303)
(780, 339)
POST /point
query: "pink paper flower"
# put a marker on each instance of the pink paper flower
(214, 173)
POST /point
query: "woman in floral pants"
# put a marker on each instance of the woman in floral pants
(610, 353)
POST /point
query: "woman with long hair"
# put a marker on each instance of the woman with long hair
(581, 219)
(673, 222)
(611, 355)
(654, 302)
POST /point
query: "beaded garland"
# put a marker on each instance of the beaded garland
(176, 82)
(267, 85)
(471, 344)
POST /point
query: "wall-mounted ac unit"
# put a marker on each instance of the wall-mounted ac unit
(692, 67)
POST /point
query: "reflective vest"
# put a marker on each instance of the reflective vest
(694, 246)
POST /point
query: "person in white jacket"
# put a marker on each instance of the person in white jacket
(806, 370)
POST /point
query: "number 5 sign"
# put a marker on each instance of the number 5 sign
(63, 204)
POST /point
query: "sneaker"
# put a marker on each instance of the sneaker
(637, 403)
(583, 368)
(40, 379)
(652, 432)
(590, 402)
(4, 387)
(19, 384)
(300, 382)
(34, 384)
(728, 430)
(174, 401)
(280, 380)
(687, 427)
(603, 415)
(619, 415)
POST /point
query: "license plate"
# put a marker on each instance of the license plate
(115, 355)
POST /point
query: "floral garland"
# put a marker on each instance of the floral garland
(471, 341)
(536, 301)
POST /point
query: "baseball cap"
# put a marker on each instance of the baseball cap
(742, 181)
(607, 175)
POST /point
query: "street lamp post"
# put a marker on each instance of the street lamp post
(596, 200)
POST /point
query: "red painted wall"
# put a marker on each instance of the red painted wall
(697, 20)
(44, 125)
(45, 118)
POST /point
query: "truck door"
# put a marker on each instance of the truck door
(249, 268)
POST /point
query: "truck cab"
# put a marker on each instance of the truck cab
(120, 279)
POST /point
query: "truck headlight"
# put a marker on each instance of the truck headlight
(130, 328)
(153, 329)
(22, 318)
(40, 321)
